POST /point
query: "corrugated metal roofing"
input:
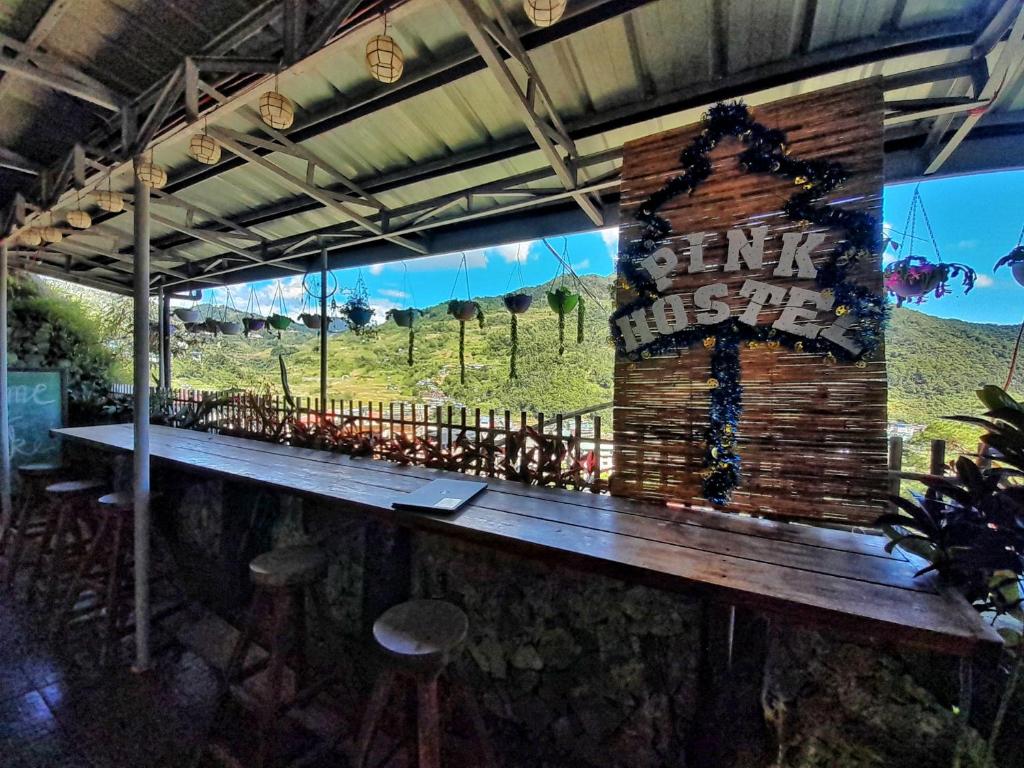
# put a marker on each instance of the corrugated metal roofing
(621, 70)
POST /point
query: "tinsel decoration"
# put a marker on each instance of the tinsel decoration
(412, 342)
(721, 461)
(765, 152)
(513, 374)
(462, 351)
(580, 316)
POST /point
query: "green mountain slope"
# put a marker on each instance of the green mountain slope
(934, 364)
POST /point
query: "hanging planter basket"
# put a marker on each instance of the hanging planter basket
(914, 278)
(357, 312)
(1015, 261)
(188, 315)
(358, 316)
(517, 303)
(311, 321)
(253, 324)
(211, 326)
(563, 301)
(406, 318)
(279, 322)
(464, 311)
(229, 327)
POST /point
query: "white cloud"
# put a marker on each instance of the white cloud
(376, 269)
(582, 265)
(391, 293)
(967, 245)
(984, 281)
(610, 237)
(513, 252)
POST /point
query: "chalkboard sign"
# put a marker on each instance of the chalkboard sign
(37, 402)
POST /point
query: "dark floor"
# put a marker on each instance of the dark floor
(59, 709)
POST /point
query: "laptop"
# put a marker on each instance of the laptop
(440, 496)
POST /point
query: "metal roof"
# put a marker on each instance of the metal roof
(455, 155)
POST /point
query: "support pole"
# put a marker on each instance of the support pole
(5, 425)
(140, 474)
(323, 330)
(165, 339)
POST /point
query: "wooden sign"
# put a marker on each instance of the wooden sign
(751, 373)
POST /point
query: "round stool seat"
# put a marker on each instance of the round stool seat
(289, 567)
(73, 487)
(122, 501)
(41, 469)
(422, 634)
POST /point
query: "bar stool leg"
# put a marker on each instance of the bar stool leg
(116, 566)
(374, 709)
(241, 649)
(90, 560)
(57, 556)
(475, 716)
(45, 542)
(428, 723)
(16, 532)
(282, 609)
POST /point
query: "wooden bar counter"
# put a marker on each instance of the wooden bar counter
(841, 581)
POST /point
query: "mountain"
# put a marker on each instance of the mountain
(935, 365)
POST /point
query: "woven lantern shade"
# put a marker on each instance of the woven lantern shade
(204, 148)
(30, 237)
(109, 201)
(50, 234)
(151, 174)
(276, 110)
(544, 13)
(79, 219)
(385, 59)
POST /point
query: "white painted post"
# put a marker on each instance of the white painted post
(140, 475)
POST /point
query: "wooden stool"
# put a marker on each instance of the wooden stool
(28, 520)
(283, 578)
(419, 639)
(104, 570)
(68, 503)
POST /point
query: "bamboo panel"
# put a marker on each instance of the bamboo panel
(812, 435)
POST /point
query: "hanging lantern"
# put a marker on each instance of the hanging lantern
(276, 110)
(107, 200)
(79, 219)
(204, 148)
(30, 237)
(544, 13)
(385, 59)
(50, 234)
(151, 174)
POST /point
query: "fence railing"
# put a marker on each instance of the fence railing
(562, 451)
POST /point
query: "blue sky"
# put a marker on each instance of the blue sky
(976, 220)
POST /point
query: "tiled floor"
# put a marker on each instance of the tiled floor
(58, 710)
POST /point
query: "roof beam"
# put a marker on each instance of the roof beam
(1009, 56)
(12, 161)
(321, 196)
(38, 35)
(485, 37)
(328, 22)
(45, 70)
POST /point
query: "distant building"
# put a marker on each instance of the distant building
(903, 430)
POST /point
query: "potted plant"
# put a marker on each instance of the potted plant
(211, 326)
(915, 277)
(516, 304)
(406, 318)
(253, 324)
(229, 327)
(563, 301)
(311, 321)
(188, 314)
(464, 311)
(279, 322)
(1015, 261)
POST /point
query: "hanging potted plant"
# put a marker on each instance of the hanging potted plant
(279, 320)
(1015, 261)
(253, 320)
(190, 314)
(311, 321)
(563, 301)
(517, 304)
(224, 325)
(357, 311)
(464, 311)
(914, 277)
(406, 318)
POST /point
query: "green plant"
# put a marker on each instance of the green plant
(970, 529)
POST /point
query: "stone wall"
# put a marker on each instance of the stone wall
(576, 670)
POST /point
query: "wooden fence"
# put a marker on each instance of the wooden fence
(562, 451)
